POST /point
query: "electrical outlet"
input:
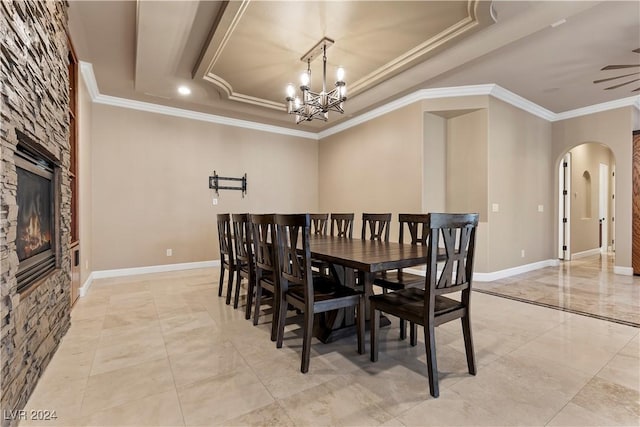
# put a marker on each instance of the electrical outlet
(169, 252)
(522, 253)
(495, 207)
(215, 201)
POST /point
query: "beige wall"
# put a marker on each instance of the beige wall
(614, 129)
(434, 179)
(586, 158)
(150, 184)
(85, 218)
(520, 174)
(374, 167)
(466, 187)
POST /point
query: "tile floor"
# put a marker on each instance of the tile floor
(164, 350)
(586, 286)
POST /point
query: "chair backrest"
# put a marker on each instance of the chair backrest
(378, 226)
(294, 253)
(319, 224)
(418, 227)
(243, 238)
(224, 237)
(342, 225)
(458, 234)
(264, 252)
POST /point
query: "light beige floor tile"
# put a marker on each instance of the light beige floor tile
(128, 353)
(217, 399)
(200, 339)
(623, 370)
(270, 415)
(161, 409)
(186, 322)
(195, 366)
(121, 386)
(339, 402)
(611, 401)
(573, 415)
(51, 394)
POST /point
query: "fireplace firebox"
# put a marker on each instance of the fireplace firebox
(36, 235)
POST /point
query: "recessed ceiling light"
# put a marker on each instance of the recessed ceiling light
(183, 90)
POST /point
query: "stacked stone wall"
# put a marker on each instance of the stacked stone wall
(34, 99)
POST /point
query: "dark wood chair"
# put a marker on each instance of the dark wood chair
(319, 224)
(227, 258)
(429, 307)
(244, 259)
(376, 226)
(266, 265)
(305, 292)
(319, 228)
(418, 227)
(342, 225)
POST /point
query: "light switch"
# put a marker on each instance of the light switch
(495, 207)
(540, 208)
(215, 201)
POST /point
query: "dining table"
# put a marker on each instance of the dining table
(351, 258)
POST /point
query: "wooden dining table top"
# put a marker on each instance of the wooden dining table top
(366, 255)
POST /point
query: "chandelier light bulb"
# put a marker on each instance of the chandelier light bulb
(297, 102)
(304, 78)
(290, 90)
(343, 91)
(340, 74)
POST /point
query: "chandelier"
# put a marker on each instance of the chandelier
(316, 105)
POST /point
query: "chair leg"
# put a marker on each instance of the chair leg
(275, 317)
(403, 329)
(256, 310)
(281, 318)
(251, 288)
(221, 284)
(432, 365)
(236, 296)
(360, 324)
(229, 287)
(306, 341)
(468, 344)
(413, 334)
(374, 318)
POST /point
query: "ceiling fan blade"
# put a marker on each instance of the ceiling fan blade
(613, 78)
(636, 50)
(636, 90)
(617, 67)
(621, 84)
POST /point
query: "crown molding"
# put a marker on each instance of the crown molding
(597, 108)
(90, 80)
(494, 90)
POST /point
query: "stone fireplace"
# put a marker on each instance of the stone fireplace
(37, 224)
(34, 112)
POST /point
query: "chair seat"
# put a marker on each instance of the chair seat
(324, 289)
(396, 280)
(409, 304)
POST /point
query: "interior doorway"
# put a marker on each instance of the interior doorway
(586, 197)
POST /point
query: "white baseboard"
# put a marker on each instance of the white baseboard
(625, 271)
(584, 254)
(501, 274)
(86, 285)
(103, 274)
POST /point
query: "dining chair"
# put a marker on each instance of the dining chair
(376, 226)
(418, 227)
(266, 265)
(429, 307)
(342, 225)
(319, 224)
(227, 259)
(308, 293)
(244, 259)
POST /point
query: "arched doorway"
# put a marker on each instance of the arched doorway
(586, 201)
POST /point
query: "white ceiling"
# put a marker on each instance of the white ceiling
(144, 50)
